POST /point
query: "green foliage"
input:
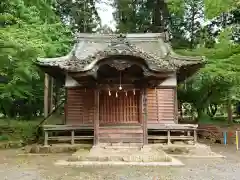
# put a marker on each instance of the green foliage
(214, 8)
(176, 7)
(82, 15)
(24, 131)
(219, 80)
(30, 29)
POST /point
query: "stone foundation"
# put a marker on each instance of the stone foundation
(121, 153)
(57, 148)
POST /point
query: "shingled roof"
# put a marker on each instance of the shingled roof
(92, 48)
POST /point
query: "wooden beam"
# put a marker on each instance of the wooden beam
(175, 106)
(96, 119)
(141, 117)
(66, 106)
(46, 93)
(156, 93)
(51, 95)
(72, 137)
(168, 137)
(195, 136)
(145, 138)
(45, 138)
(229, 111)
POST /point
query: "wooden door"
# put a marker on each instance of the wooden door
(120, 108)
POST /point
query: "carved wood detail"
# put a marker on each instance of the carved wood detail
(120, 65)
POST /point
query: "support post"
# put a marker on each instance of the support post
(141, 115)
(176, 106)
(51, 95)
(229, 111)
(237, 139)
(195, 136)
(156, 93)
(72, 137)
(96, 119)
(168, 137)
(145, 133)
(45, 138)
(66, 106)
(46, 93)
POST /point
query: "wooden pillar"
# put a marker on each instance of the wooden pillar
(46, 95)
(72, 137)
(57, 94)
(96, 119)
(141, 117)
(168, 137)
(195, 136)
(51, 95)
(229, 111)
(156, 92)
(175, 106)
(145, 133)
(66, 106)
(45, 138)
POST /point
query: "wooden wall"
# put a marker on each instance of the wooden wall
(124, 134)
(80, 106)
(122, 110)
(161, 105)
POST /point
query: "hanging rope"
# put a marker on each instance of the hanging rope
(120, 85)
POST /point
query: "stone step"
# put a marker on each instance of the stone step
(127, 154)
(122, 147)
(120, 144)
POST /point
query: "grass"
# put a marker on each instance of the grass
(23, 130)
(14, 130)
(221, 120)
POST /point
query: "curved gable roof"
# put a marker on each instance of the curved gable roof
(92, 48)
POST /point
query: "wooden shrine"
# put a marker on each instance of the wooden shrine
(121, 86)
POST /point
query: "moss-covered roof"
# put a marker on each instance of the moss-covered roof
(92, 48)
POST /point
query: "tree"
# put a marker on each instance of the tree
(81, 15)
(219, 81)
(27, 32)
(198, 27)
(31, 29)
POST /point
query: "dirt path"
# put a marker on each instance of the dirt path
(14, 167)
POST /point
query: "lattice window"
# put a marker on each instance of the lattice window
(121, 109)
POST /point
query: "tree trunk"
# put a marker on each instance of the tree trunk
(46, 95)
(229, 111)
(200, 112)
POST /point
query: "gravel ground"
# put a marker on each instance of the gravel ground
(14, 167)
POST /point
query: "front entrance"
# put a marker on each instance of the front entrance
(119, 107)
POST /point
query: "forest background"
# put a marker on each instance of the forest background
(46, 28)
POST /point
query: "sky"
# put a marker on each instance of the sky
(105, 12)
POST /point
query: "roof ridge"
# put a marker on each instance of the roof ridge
(130, 36)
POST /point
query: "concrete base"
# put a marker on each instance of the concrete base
(121, 154)
(189, 151)
(174, 162)
(56, 148)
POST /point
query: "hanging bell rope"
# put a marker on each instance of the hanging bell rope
(120, 84)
